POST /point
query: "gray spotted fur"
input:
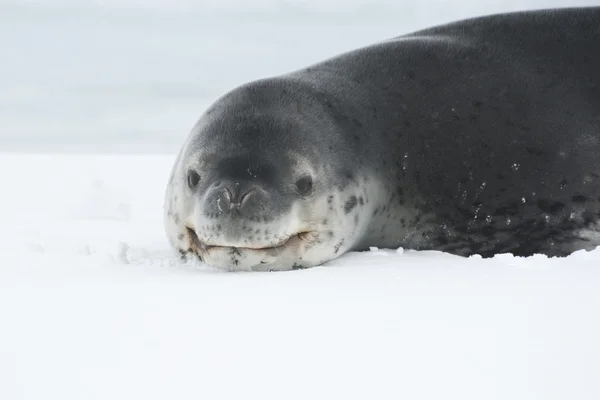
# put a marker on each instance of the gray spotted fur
(476, 137)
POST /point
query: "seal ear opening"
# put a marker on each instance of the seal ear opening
(304, 185)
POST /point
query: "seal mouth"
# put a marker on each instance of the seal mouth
(200, 247)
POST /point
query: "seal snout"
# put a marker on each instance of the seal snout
(234, 197)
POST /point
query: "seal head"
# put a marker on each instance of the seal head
(257, 187)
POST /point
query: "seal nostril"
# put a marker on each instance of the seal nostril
(228, 195)
(245, 196)
(233, 195)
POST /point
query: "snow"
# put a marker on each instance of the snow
(95, 305)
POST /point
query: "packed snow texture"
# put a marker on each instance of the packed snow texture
(95, 305)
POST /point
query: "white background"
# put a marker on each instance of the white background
(127, 75)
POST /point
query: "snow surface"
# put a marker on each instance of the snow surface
(95, 305)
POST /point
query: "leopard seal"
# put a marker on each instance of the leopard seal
(480, 136)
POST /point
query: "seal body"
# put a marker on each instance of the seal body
(475, 137)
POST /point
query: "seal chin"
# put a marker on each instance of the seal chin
(269, 257)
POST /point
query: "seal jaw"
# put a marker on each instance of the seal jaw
(267, 253)
(196, 246)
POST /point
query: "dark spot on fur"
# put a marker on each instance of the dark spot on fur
(180, 236)
(579, 199)
(361, 201)
(533, 151)
(511, 209)
(442, 240)
(357, 123)
(176, 218)
(338, 245)
(477, 103)
(350, 204)
(329, 199)
(488, 231)
(330, 234)
(356, 220)
(549, 206)
(325, 222)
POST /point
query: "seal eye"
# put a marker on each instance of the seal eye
(304, 185)
(193, 179)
